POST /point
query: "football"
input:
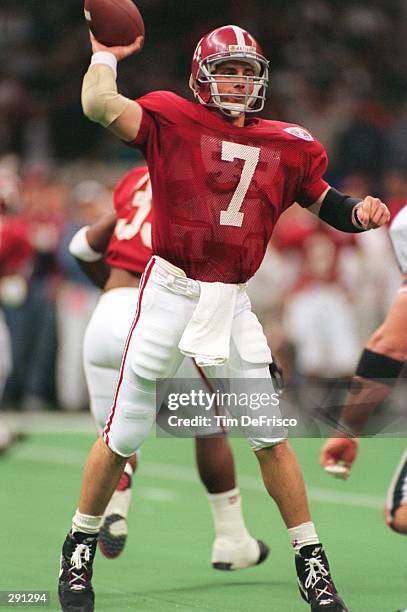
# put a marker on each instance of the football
(114, 22)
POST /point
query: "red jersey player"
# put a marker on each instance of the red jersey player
(126, 255)
(220, 179)
(16, 254)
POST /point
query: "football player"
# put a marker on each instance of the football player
(16, 253)
(379, 367)
(220, 179)
(125, 239)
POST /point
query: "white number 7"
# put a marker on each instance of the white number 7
(231, 151)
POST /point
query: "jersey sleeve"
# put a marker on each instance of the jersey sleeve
(313, 183)
(159, 108)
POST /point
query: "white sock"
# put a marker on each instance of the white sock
(303, 535)
(128, 469)
(86, 523)
(227, 514)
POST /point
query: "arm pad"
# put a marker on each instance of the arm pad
(339, 211)
(101, 102)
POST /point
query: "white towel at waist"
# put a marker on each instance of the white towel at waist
(206, 338)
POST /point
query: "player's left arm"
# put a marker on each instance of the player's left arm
(350, 214)
(88, 246)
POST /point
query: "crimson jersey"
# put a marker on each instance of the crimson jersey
(130, 245)
(219, 189)
(16, 251)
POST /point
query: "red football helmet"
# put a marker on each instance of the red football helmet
(226, 44)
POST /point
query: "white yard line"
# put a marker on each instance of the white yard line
(181, 473)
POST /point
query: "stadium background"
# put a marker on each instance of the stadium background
(338, 69)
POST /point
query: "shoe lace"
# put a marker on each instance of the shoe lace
(79, 560)
(316, 572)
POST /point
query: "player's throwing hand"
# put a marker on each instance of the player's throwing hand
(120, 52)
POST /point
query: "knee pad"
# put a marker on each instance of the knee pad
(131, 417)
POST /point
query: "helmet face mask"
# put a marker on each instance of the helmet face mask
(229, 44)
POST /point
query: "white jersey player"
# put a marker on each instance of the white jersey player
(379, 367)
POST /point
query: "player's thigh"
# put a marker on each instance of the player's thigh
(153, 351)
(106, 333)
(200, 407)
(254, 403)
(247, 335)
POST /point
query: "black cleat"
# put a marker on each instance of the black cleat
(75, 588)
(314, 580)
(114, 531)
(113, 535)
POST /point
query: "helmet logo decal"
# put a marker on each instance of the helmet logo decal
(242, 48)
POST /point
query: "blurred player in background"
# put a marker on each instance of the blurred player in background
(379, 367)
(126, 240)
(220, 180)
(76, 297)
(15, 259)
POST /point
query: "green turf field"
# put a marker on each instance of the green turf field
(166, 564)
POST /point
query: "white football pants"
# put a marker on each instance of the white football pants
(103, 346)
(151, 352)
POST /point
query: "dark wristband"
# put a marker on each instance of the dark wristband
(339, 211)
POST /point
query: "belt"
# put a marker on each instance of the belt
(173, 278)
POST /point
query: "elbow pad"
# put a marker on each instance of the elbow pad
(101, 102)
(339, 211)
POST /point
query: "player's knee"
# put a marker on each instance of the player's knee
(275, 451)
(399, 520)
(121, 445)
(127, 436)
(390, 345)
(133, 416)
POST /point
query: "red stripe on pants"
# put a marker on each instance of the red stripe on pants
(143, 283)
